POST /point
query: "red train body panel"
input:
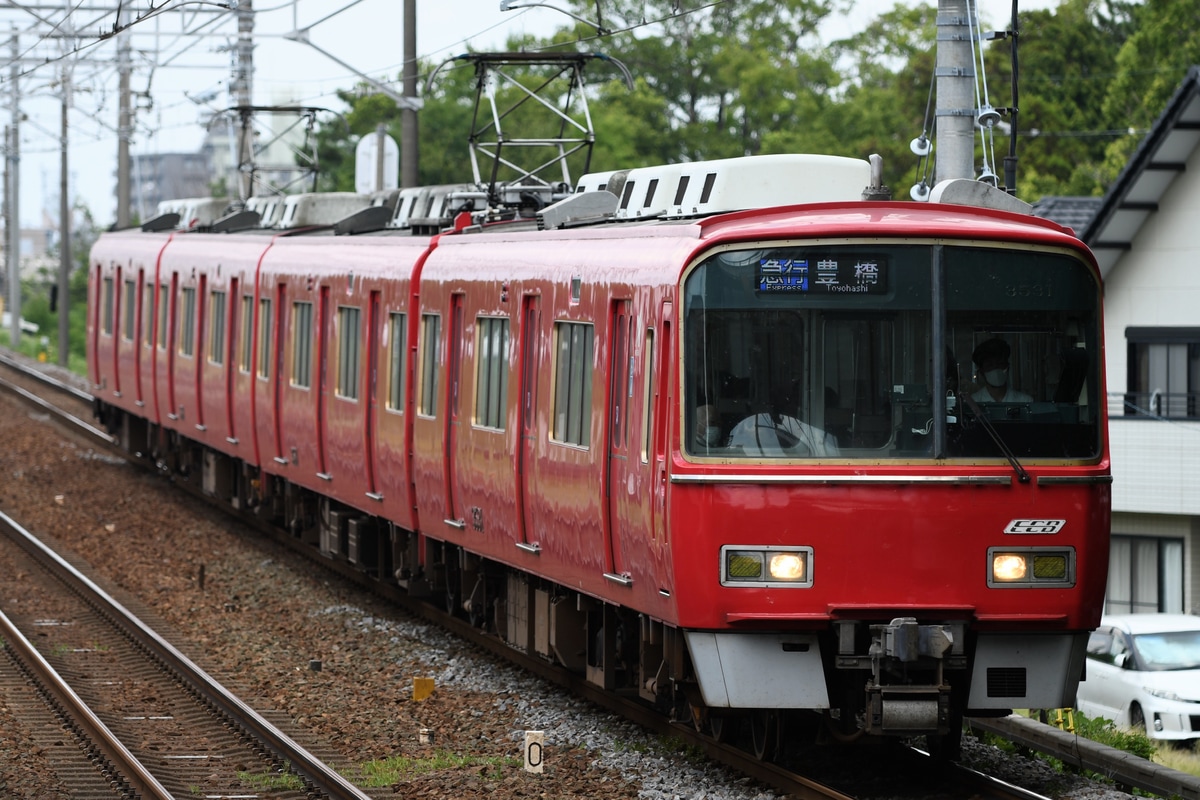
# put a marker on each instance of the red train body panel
(593, 414)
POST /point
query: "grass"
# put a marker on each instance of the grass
(392, 770)
(265, 781)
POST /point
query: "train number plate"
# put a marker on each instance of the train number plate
(1035, 526)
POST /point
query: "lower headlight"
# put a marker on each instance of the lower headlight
(1043, 567)
(766, 566)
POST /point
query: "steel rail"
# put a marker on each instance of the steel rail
(119, 762)
(296, 758)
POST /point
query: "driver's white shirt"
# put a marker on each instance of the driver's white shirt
(756, 435)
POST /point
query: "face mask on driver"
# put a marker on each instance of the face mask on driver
(996, 377)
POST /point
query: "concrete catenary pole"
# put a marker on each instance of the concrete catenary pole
(409, 145)
(14, 201)
(64, 239)
(955, 73)
(124, 126)
(243, 92)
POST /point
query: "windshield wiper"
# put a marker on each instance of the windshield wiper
(1022, 475)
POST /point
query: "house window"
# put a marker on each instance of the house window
(1145, 575)
(398, 337)
(573, 383)
(430, 330)
(491, 378)
(1164, 372)
(187, 322)
(264, 337)
(302, 319)
(349, 336)
(216, 331)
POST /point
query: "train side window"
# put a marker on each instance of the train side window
(430, 332)
(164, 296)
(573, 383)
(109, 302)
(349, 351)
(648, 399)
(264, 337)
(398, 336)
(302, 332)
(130, 310)
(247, 349)
(216, 328)
(491, 377)
(187, 322)
(148, 315)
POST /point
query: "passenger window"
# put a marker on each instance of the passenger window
(398, 338)
(491, 377)
(573, 383)
(302, 318)
(187, 322)
(430, 331)
(1099, 646)
(349, 337)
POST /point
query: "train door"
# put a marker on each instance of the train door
(114, 327)
(323, 327)
(618, 468)
(232, 348)
(526, 449)
(138, 333)
(278, 334)
(172, 355)
(371, 406)
(454, 347)
(662, 398)
(201, 353)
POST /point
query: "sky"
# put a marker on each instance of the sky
(363, 34)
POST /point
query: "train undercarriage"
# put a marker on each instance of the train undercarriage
(890, 678)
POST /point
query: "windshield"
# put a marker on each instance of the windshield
(827, 352)
(1163, 651)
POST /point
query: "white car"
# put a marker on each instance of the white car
(1143, 672)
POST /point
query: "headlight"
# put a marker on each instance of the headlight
(784, 567)
(1165, 694)
(1043, 567)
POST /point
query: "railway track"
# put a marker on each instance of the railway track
(155, 724)
(781, 778)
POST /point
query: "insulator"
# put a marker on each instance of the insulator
(921, 146)
(987, 176)
(988, 117)
(919, 192)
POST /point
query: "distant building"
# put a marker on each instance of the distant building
(167, 176)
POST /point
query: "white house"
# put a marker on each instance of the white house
(1144, 233)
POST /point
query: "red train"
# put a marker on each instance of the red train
(710, 433)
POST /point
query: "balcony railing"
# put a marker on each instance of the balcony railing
(1154, 405)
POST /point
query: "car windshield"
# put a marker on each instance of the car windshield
(1165, 651)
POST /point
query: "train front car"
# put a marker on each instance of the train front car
(890, 503)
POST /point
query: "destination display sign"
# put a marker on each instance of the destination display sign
(843, 274)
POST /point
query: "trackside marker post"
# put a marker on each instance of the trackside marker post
(422, 688)
(533, 751)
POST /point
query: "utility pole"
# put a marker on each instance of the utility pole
(64, 238)
(124, 127)
(243, 94)
(409, 144)
(14, 204)
(955, 78)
